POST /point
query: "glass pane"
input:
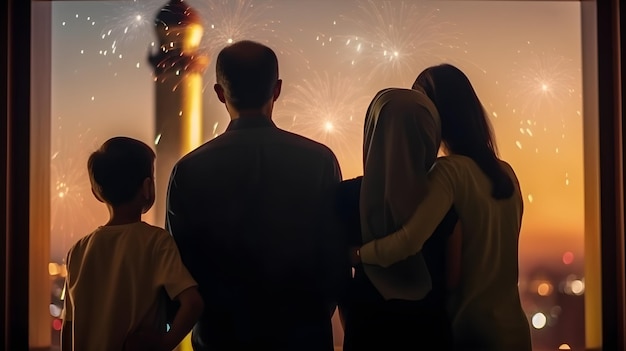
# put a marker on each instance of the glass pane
(524, 59)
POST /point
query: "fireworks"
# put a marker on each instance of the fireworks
(228, 21)
(113, 31)
(69, 185)
(542, 80)
(328, 109)
(101, 78)
(396, 39)
(542, 96)
(131, 22)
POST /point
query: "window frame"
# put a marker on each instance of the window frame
(25, 138)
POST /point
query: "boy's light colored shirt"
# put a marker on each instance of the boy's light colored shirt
(118, 280)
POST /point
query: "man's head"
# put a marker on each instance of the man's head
(121, 172)
(247, 76)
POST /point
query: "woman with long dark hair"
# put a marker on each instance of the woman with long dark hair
(484, 307)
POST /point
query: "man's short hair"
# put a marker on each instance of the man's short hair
(248, 72)
(118, 168)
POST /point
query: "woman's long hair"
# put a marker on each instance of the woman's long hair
(465, 127)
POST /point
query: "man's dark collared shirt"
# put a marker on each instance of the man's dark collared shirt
(252, 214)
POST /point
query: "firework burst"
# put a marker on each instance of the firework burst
(228, 21)
(542, 80)
(328, 109)
(132, 22)
(544, 99)
(396, 39)
(69, 186)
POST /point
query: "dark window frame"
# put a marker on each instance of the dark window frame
(15, 154)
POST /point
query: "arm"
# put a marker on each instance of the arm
(171, 273)
(410, 239)
(191, 307)
(453, 257)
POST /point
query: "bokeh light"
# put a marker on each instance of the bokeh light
(578, 287)
(544, 289)
(55, 311)
(539, 320)
(568, 257)
(57, 324)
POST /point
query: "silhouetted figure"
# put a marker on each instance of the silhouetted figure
(400, 307)
(484, 307)
(252, 214)
(120, 276)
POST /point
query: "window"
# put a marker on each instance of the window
(524, 59)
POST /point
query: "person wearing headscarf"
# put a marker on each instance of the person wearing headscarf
(484, 308)
(400, 306)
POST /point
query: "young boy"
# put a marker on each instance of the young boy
(117, 275)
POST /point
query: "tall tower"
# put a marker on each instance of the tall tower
(178, 69)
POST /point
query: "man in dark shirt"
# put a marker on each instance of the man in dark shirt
(252, 213)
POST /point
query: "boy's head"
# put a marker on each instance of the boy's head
(121, 172)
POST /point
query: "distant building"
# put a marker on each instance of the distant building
(178, 69)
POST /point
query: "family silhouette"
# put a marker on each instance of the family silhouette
(264, 241)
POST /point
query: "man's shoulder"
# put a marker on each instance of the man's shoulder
(201, 150)
(291, 141)
(202, 153)
(305, 143)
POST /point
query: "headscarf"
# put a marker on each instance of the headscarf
(400, 143)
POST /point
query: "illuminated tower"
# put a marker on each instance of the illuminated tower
(178, 69)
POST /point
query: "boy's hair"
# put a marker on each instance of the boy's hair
(118, 168)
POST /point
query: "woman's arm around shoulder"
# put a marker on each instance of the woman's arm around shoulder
(410, 239)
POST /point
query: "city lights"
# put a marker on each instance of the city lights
(539, 320)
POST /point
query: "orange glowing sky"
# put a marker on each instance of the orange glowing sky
(523, 58)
